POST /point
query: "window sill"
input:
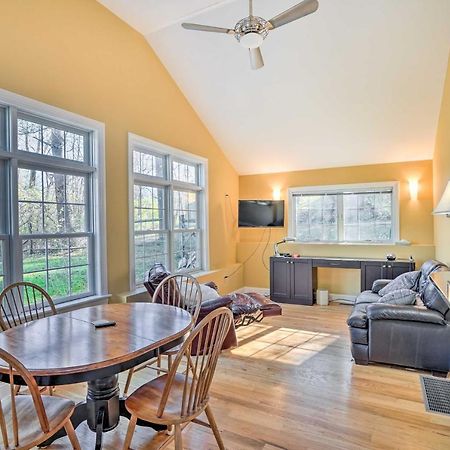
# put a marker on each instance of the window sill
(72, 305)
(380, 244)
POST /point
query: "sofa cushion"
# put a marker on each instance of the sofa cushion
(358, 316)
(404, 313)
(408, 280)
(367, 297)
(399, 297)
(379, 284)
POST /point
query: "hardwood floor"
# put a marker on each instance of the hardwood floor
(291, 384)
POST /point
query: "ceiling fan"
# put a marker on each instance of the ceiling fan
(251, 31)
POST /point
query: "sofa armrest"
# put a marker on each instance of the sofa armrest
(407, 313)
(379, 284)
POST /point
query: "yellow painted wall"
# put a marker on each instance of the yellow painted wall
(441, 172)
(76, 55)
(416, 221)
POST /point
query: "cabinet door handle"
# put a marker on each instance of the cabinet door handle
(384, 266)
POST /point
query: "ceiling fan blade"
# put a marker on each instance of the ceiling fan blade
(197, 27)
(256, 58)
(296, 12)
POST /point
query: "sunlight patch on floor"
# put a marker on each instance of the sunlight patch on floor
(281, 344)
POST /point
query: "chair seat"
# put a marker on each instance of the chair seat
(144, 402)
(57, 409)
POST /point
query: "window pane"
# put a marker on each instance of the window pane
(187, 250)
(316, 217)
(184, 172)
(149, 249)
(79, 253)
(59, 265)
(149, 208)
(51, 202)
(368, 216)
(185, 210)
(147, 164)
(54, 140)
(34, 255)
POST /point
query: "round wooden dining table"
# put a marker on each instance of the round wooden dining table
(67, 348)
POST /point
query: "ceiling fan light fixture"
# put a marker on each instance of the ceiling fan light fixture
(251, 40)
(251, 31)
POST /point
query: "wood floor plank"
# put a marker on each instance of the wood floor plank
(291, 385)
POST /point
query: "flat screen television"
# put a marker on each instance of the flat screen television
(261, 213)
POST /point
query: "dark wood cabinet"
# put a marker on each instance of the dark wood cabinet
(294, 280)
(280, 279)
(291, 280)
(388, 270)
(302, 282)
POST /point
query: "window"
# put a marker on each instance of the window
(167, 193)
(52, 219)
(347, 213)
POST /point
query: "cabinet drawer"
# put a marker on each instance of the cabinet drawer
(337, 263)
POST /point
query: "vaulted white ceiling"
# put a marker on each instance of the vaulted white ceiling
(358, 82)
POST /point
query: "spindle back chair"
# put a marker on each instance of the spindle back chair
(182, 291)
(24, 302)
(175, 399)
(38, 417)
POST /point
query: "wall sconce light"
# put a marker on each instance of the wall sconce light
(443, 207)
(413, 189)
(276, 193)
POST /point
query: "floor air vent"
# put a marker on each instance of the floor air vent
(436, 394)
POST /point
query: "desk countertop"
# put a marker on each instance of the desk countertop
(337, 258)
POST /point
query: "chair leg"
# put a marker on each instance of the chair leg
(158, 365)
(178, 438)
(72, 435)
(130, 433)
(3, 427)
(214, 427)
(127, 384)
(51, 390)
(169, 362)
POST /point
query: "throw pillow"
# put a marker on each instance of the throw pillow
(208, 293)
(399, 297)
(408, 280)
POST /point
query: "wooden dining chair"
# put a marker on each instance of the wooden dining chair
(24, 302)
(176, 399)
(182, 291)
(28, 420)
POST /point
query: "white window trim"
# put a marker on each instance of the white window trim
(394, 185)
(97, 130)
(136, 142)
